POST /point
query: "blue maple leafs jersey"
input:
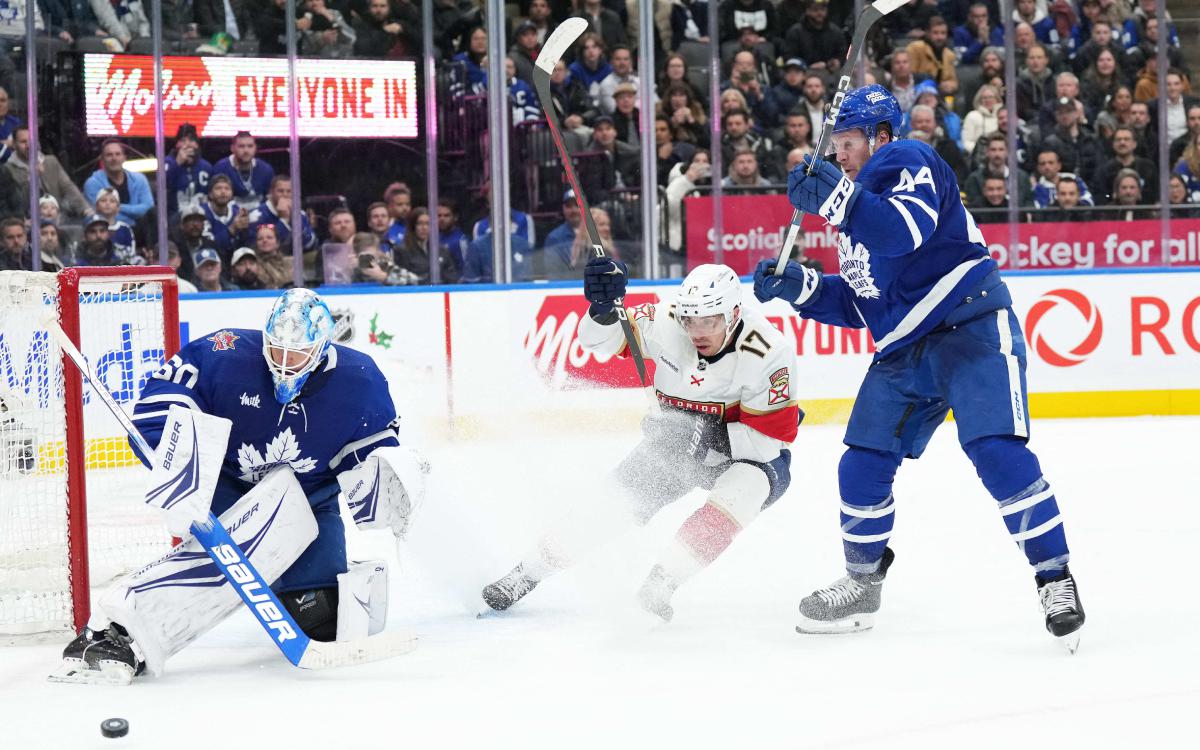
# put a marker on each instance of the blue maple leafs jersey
(908, 252)
(343, 412)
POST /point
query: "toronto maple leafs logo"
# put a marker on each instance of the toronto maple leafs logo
(854, 261)
(283, 449)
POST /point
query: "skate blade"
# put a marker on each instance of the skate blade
(856, 624)
(77, 672)
(1070, 642)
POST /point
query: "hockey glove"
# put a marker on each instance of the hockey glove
(796, 285)
(604, 281)
(709, 433)
(826, 192)
(186, 466)
(679, 432)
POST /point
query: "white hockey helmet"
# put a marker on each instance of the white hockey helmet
(710, 290)
(295, 340)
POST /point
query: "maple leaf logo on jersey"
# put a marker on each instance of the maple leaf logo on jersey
(223, 341)
(854, 262)
(283, 449)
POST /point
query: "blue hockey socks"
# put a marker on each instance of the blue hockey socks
(868, 508)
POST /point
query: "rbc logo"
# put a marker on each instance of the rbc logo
(1093, 323)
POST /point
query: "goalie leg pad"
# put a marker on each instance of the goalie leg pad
(362, 600)
(319, 566)
(172, 601)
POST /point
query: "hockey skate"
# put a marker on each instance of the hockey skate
(848, 605)
(1064, 611)
(104, 657)
(509, 590)
(655, 594)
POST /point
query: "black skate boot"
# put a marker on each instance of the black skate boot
(507, 591)
(1064, 611)
(847, 605)
(104, 657)
(655, 594)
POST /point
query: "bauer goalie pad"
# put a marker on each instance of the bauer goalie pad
(384, 490)
(362, 600)
(172, 601)
(186, 466)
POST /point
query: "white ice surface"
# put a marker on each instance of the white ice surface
(959, 657)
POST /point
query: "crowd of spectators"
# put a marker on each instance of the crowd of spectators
(1086, 95)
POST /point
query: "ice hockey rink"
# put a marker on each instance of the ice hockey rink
(959, 657)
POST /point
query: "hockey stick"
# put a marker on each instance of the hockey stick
(245, 579)
(870, 15)
(552, 51)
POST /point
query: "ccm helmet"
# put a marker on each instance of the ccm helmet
(864, 108)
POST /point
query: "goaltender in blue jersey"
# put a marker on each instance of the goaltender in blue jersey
(914, 269)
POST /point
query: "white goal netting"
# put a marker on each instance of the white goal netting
(121, 327)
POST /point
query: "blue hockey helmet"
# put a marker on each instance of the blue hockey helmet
(295, 340)
(864, 108)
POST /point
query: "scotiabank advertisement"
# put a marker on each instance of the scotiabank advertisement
(223, 95)
(754, 226)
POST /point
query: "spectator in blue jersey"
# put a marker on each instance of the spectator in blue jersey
(977, 33)
(564, 256)
(277, 210)
(590, 66)
(399, 203)
(1134, 29)
(522, 100)
(451, 236)
(1059, 31)
(745, 76)
(469, 78)
(8, 124)
(1067, 206)
(208, 276)
(1102, 39)
(250, 178)
(927, 94)
(378, 223)
(1188, 170)
(108, 207)
(188, 173)
(478, 265)
(1049, 170)
(520, 223)
(227, 221)
(132, 188)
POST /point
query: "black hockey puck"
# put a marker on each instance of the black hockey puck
(114, 727)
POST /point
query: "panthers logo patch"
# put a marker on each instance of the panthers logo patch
(779, 390)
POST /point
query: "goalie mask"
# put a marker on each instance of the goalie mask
(709, 301)
(295, 340)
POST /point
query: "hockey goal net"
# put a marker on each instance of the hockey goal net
(71, 510)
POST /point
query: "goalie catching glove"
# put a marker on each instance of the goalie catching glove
(384, 490)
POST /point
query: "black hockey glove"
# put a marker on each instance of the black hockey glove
(686, 433)
(604, 281)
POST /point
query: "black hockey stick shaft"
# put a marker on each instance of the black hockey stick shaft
(866, 20)
(552, 51)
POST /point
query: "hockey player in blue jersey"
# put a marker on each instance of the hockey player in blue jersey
(304, 418)
(914, 269)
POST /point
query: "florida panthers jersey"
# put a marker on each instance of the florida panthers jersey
(343, 412)
(747, 384)
(908, 251)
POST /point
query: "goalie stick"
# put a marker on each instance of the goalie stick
(867, 19)
(552, 51)
(241, 574)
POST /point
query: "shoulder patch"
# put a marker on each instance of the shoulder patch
(779, 391)
(644, 310)
(223, 340)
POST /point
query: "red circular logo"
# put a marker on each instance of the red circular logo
(1091, 318)
(126, 94)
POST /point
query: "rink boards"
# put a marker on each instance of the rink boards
(478, 358)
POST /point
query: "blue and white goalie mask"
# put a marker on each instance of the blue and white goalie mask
(295, 340)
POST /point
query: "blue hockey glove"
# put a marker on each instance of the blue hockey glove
(795, 285)
(604, 280)
(826, 192)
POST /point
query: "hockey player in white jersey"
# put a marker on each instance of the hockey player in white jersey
(915, 270)
(726, 419)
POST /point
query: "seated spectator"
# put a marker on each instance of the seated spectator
(270, 22)
(670, 151)
(123, 20)
(8, 125)
(192, 234)
(991, 73)
(749, 40)
(1188, 169)
(1066, 85)
(1065, 207)
(525, 49)
(1124, 158)
(208, 273)
(1181, 198)
(902, 82)
(96, 248)
(380, 34)
(743, 171)
(1100, 81)
(738, 136)
(379, 221)
(221, 17)
(188, 174)
(744, 76)
(540, 17)
(923, 121)
(624, 166)
(1035, 84)
(605, 24)
(1135, 57)
(132, 187)
(982, 119)
(1101, 39)
(522, 101)
(791, 12)
(450, 235)
(686, 115)
(625, 116)
(675, 75)
(478, 265)
(911, 20)
(249, 177)
(572, 101)
(1060, 30)
(16, 253)
(372, 266)
(342, 226)
(795, 158)
(244, 270)
(1049, 172)
(797, 136)
(816, 41)
(1023, 40)
(519, 224)
(590, 66)
(48, 209)
(1117, 112)
(565, 257)
(1179, 98)
(415, 254)
(10, 196)
(53, 180)
(51, 249)
(329, 35)
(689, 22)
(226, 221)
(1145, 87)
(277, 210)
(947, 120)
(108, 207)
(933, 56)
(790, 90)
(274, 267)
(814, 103)
(1133, 31)
(399, 204)
(621, 61)
(472, 79)
(683, 179)
(1033, 13)
(996, 164)
(758, 15)
(1079, 148)
(992, 205)
(1127, 193)
(979, 32)
(1193, 130)
(732, 99)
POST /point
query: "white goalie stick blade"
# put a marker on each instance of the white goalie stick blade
(564, 36)
(77, 672)
(330, 654)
